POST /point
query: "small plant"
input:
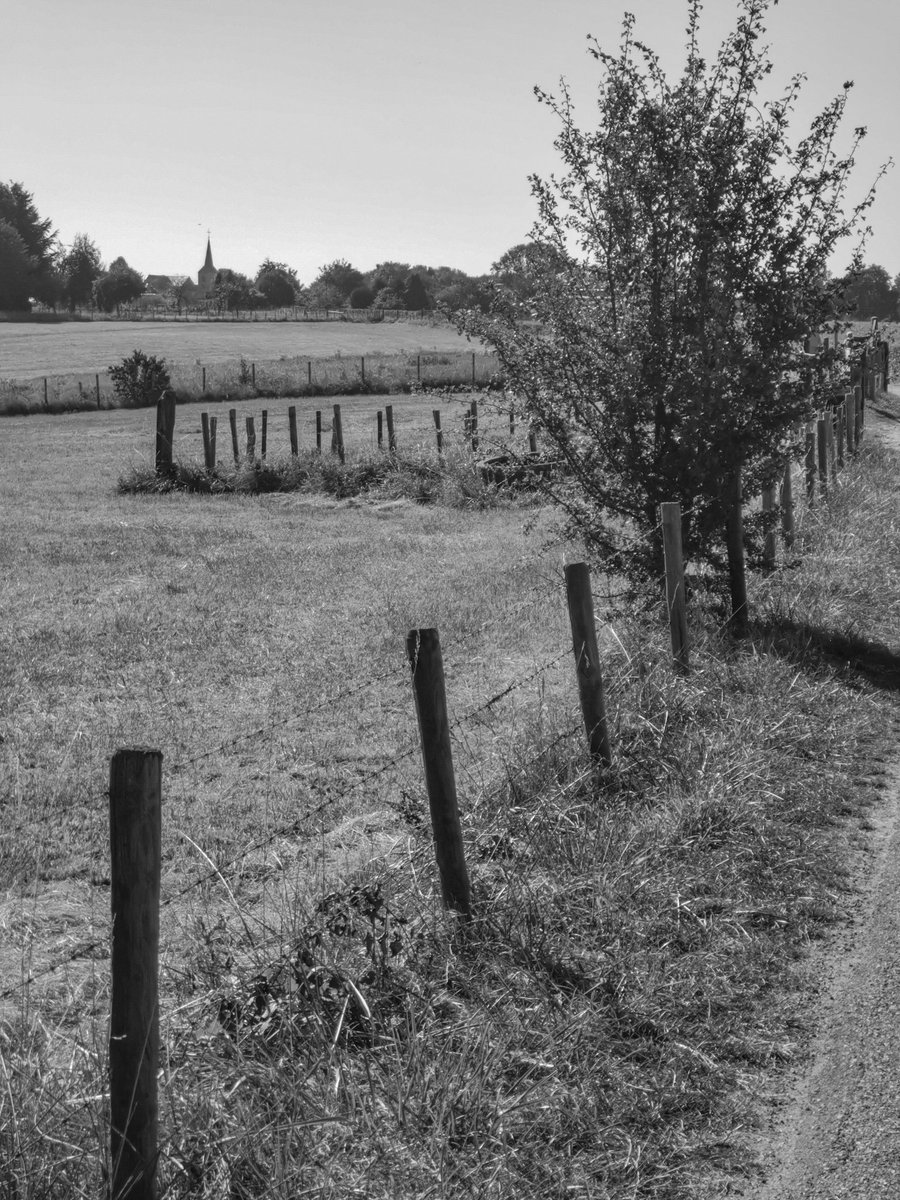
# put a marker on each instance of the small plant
(140, 379)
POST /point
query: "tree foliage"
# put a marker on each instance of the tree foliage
(332, 286)
(687, 242)
(27, 251)
(140, 379)
(870, 293)
(119, 285)
(16, 270)
(278, 283)
(80, 266)
(232, 291)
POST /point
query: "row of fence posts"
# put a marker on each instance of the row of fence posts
(165, 424)
(135, 800)
(136, 785)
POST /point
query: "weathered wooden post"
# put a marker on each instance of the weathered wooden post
(204, 429)
(473, 424)
(232, 421)
(253, 375)
(670, 516)
(251, 439)
(263, 431)
(473, 368)
(203, 381)
(165, 431)
(379, 428)
(822, 449)
(338, 432)
(436, 415)
(787, 506)
(850, 422)
(135, 823)
(423, 649)
(309, 376)
(838, 416)
(97, 389)
(587, 661)
(738, 622)
(769, 546)
(292, 430)
(389, 418)
(319, 430)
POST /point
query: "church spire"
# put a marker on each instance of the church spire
(209, 261)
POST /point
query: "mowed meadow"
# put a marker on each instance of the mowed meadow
(607, 1024)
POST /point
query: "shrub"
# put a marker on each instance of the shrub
(140, 379)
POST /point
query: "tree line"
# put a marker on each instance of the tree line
(37, 269)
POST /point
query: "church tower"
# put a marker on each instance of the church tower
(206, 276)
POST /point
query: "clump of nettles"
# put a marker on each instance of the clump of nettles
(140, 379)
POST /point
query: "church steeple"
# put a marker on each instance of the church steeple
(206, 276)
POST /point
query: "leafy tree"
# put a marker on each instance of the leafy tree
(332, 286)
(870, 293)
(361, 297)
(518, 271)
(414, 295)
(689, 247)
(80, 266)
(278, 283)
(462, 293)
(17, 207)
(232, 291)
(118, 286)
(387, 298)
(16, 270)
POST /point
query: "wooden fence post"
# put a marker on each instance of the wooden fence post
(338, 432)
(253, 375)
(97, 389)
(135, 823)
(292, 430)
(362, 370)
(203, 382)
(737, 576)
(379, 428)
(165, 431)
(473, 368)
(204, 429)
(319, 430)
(587, 660)
(423, 649)
(670, 516)
(787, 506)
(308, 373)
(263, 431)
(829, 443)
(251, 439)
(849, 422)
(436, 414)
(389, 418)
(838, 415)
(232, 420)
(769, 547)
(473, 424)
(822, 449)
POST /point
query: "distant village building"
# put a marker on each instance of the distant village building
(159, 289)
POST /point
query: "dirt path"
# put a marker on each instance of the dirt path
(838, 1137)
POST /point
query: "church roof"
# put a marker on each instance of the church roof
(209, 262)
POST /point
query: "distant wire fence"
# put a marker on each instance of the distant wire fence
(244, 379)
(157, 311)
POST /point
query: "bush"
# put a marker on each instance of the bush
(140, 379)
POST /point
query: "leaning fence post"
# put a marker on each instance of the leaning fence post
(737, 576)
(263, 431)
(251, 439)
(787, 506)
(204, 427)
(135, 785)
(165, 430)
(292, 429)
(389, 418)
(769, 547)
(670, 516)
(436, 414)
(423, 649)
(379, 428)
(587, 660)
(338, 432)
(232, 420)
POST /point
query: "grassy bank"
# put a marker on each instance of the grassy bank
(327, 1030)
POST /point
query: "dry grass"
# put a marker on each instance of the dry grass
(601, 1029)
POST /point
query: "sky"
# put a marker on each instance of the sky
(306, 131)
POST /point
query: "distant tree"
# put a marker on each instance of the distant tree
(16, 270)
(387, 298)
(414, 295)
(388, 275)
(117, 286)
(332, 286)
(232, 291)
(278, 283)
(361, 297)
(80, 265)
(870, 293)
(465, 293)
(518, 271)
(17, 207)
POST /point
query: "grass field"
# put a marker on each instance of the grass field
(34, 350)
(603, 1028)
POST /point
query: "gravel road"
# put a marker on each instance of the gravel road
(838, 1137)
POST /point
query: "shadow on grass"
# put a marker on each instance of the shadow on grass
(808, 645)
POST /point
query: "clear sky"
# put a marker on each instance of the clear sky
(309, 130)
